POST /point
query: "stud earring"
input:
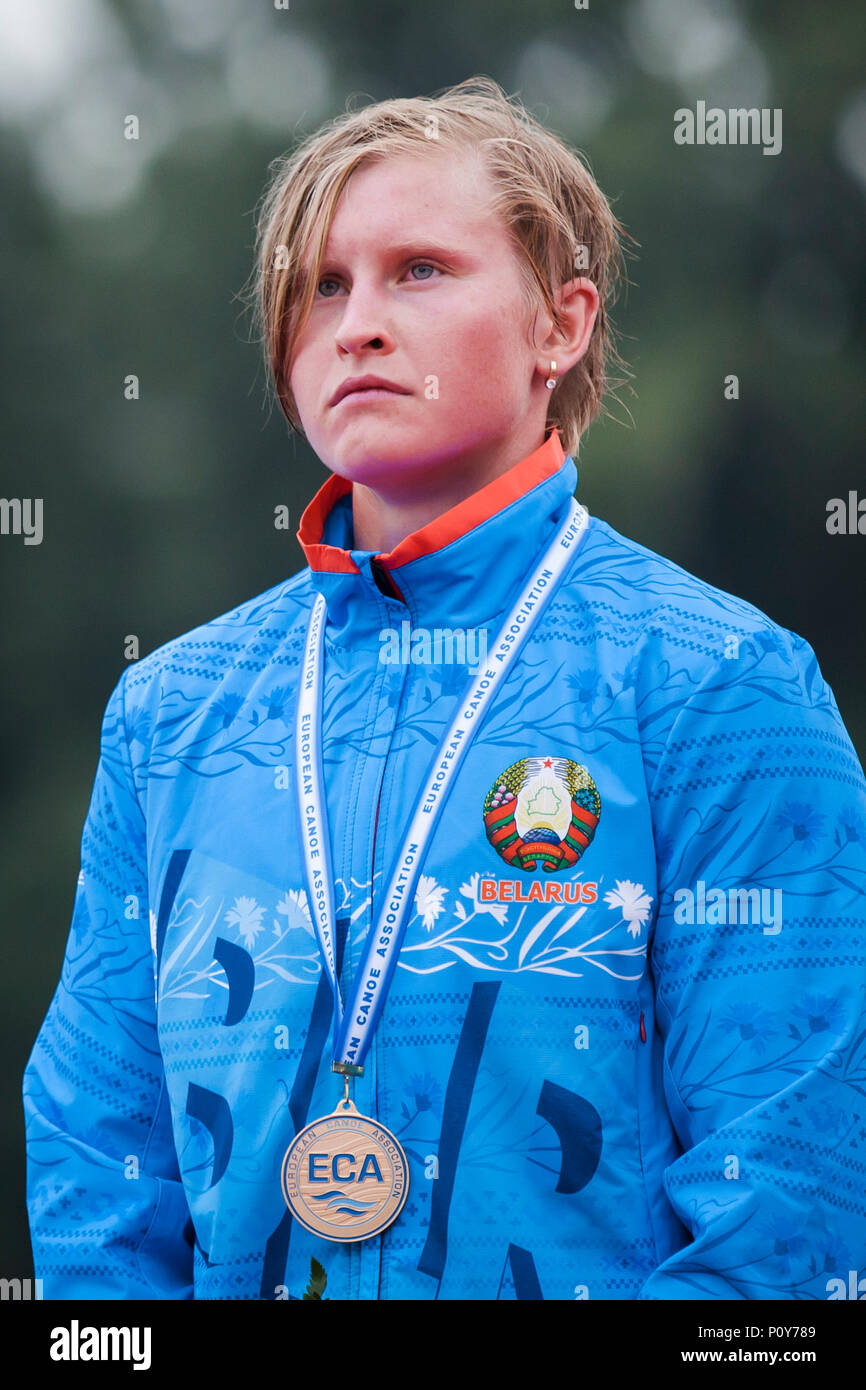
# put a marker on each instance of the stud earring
(551, 380)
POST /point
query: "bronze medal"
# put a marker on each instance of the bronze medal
(345, 1176)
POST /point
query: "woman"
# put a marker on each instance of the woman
(504, 880)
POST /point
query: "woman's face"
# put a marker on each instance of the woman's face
(419, 286)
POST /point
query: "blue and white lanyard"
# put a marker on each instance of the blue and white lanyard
(354, 1027)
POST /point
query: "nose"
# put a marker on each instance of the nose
(363, 323)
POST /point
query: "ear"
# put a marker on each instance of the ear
(577, 302)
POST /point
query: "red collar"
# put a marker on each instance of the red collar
(521, 478)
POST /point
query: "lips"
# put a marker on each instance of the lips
(365, 383)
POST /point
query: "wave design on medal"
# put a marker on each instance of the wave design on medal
(357, 1208)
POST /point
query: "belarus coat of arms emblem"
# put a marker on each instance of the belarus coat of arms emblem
(542, 810)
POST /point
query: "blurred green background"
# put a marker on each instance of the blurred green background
(128, 257)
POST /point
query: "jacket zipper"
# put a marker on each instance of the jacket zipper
(385, 584)
(375, 829)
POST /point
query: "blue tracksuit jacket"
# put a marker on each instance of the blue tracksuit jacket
(625, 1045)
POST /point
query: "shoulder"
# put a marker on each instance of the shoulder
(218, 659)
(694, 661)
(660, 609)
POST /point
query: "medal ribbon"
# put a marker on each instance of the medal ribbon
(354, 1028)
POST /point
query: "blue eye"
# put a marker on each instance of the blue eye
(416, 265)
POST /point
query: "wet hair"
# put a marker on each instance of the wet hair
(560, 222)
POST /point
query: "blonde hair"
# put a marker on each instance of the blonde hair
(545, 194)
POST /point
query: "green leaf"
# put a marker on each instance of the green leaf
(318, 1282)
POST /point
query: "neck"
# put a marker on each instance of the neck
(382, 516)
